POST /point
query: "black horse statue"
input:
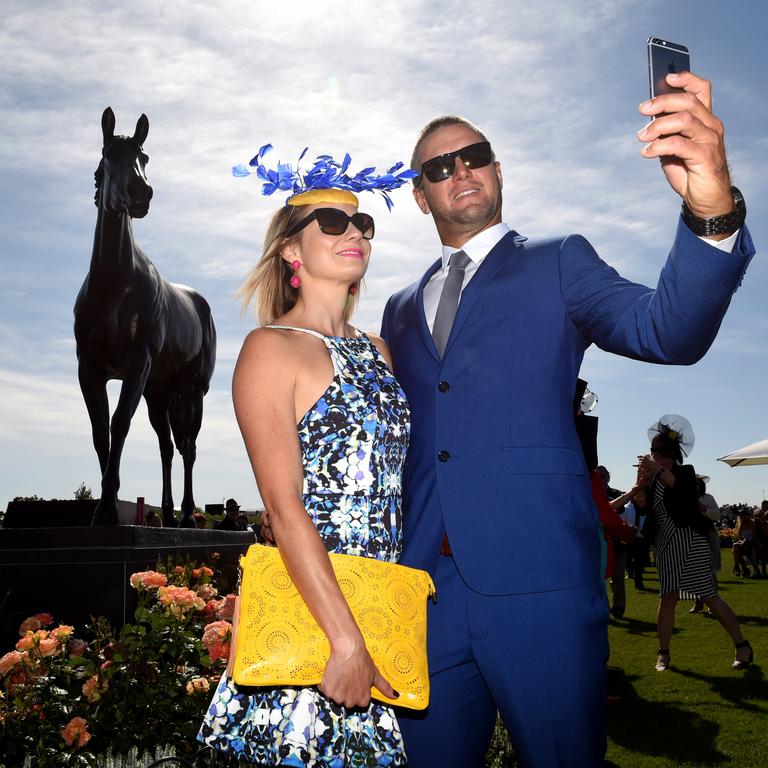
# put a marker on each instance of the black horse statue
(131, 324)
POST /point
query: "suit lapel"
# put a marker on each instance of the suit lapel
(418, 309)
(490, 267)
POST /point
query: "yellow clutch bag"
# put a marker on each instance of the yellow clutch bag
(279, 643)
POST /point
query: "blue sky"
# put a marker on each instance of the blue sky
(555, 85)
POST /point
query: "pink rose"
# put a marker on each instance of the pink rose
(77, 647)
(32, 624)
(207, 591)
(226, 609)
(210, 609)
(75, 733)
(45, 619)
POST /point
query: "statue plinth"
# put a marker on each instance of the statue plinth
(75, 573)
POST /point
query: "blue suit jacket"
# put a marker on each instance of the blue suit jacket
(511, 489)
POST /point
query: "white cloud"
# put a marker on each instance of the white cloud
(554, 84)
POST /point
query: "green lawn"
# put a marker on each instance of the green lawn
(699, 713)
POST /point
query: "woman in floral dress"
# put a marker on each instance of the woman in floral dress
(330, 484)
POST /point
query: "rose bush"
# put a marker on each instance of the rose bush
(65, 700)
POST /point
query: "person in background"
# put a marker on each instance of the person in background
(621, 538)
(242, 522)
(679, 534)
(229, 521)
(711, 511)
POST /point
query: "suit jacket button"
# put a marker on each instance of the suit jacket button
(443, 455)
(443, 386)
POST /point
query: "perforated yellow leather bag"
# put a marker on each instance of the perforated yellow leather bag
(279, 643)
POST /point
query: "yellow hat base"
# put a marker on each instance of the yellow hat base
(314, 196)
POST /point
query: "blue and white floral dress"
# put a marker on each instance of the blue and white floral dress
(353, 445)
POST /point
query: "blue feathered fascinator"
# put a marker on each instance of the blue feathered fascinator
(326, 181)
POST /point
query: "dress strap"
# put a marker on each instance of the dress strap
(296, 328)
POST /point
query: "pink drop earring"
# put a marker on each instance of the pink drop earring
(295, 279)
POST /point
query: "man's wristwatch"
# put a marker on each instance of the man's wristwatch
(726, 224)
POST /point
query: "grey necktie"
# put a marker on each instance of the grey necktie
(449, 300)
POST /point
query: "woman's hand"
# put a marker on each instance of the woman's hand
(646, 468)
(349, 675)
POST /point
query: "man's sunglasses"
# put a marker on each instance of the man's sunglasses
(444, 166)
(333, 221)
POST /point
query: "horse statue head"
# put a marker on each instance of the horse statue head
(121, 179)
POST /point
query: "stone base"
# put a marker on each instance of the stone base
(77, 573)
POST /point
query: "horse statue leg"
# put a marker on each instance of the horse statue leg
(137, 369)
(186, 417)
(93, 385)
(157, 408)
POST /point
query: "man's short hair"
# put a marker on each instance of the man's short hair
(435, 125)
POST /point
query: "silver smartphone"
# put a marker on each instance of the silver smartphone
(664, 58)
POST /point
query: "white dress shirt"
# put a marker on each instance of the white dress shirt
(479, 246)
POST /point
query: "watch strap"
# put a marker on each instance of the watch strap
(726, 224)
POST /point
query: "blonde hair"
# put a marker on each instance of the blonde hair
(267, 283)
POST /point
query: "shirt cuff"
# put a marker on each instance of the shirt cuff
(723, 245)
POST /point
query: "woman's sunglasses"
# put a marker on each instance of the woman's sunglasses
(332, 221)
(443, 167)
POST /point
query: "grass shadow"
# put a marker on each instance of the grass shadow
(745, 621)
(743, 689)
(635, 626)
(662, 723)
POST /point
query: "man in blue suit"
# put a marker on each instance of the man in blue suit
(487, 346)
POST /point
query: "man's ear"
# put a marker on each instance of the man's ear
(497, 167)
(421, 200)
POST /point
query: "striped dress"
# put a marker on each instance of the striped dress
(683, 556)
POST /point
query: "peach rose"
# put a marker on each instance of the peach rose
(179, 600)
(75, 733)
(197, 685)
(9, 661)
(148, 580)
(49, 646)
(45, 619)
(217, 637)
(31, 639)
(93, 688)
(62, 633)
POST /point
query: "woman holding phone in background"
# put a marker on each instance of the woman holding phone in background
(678, 531)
